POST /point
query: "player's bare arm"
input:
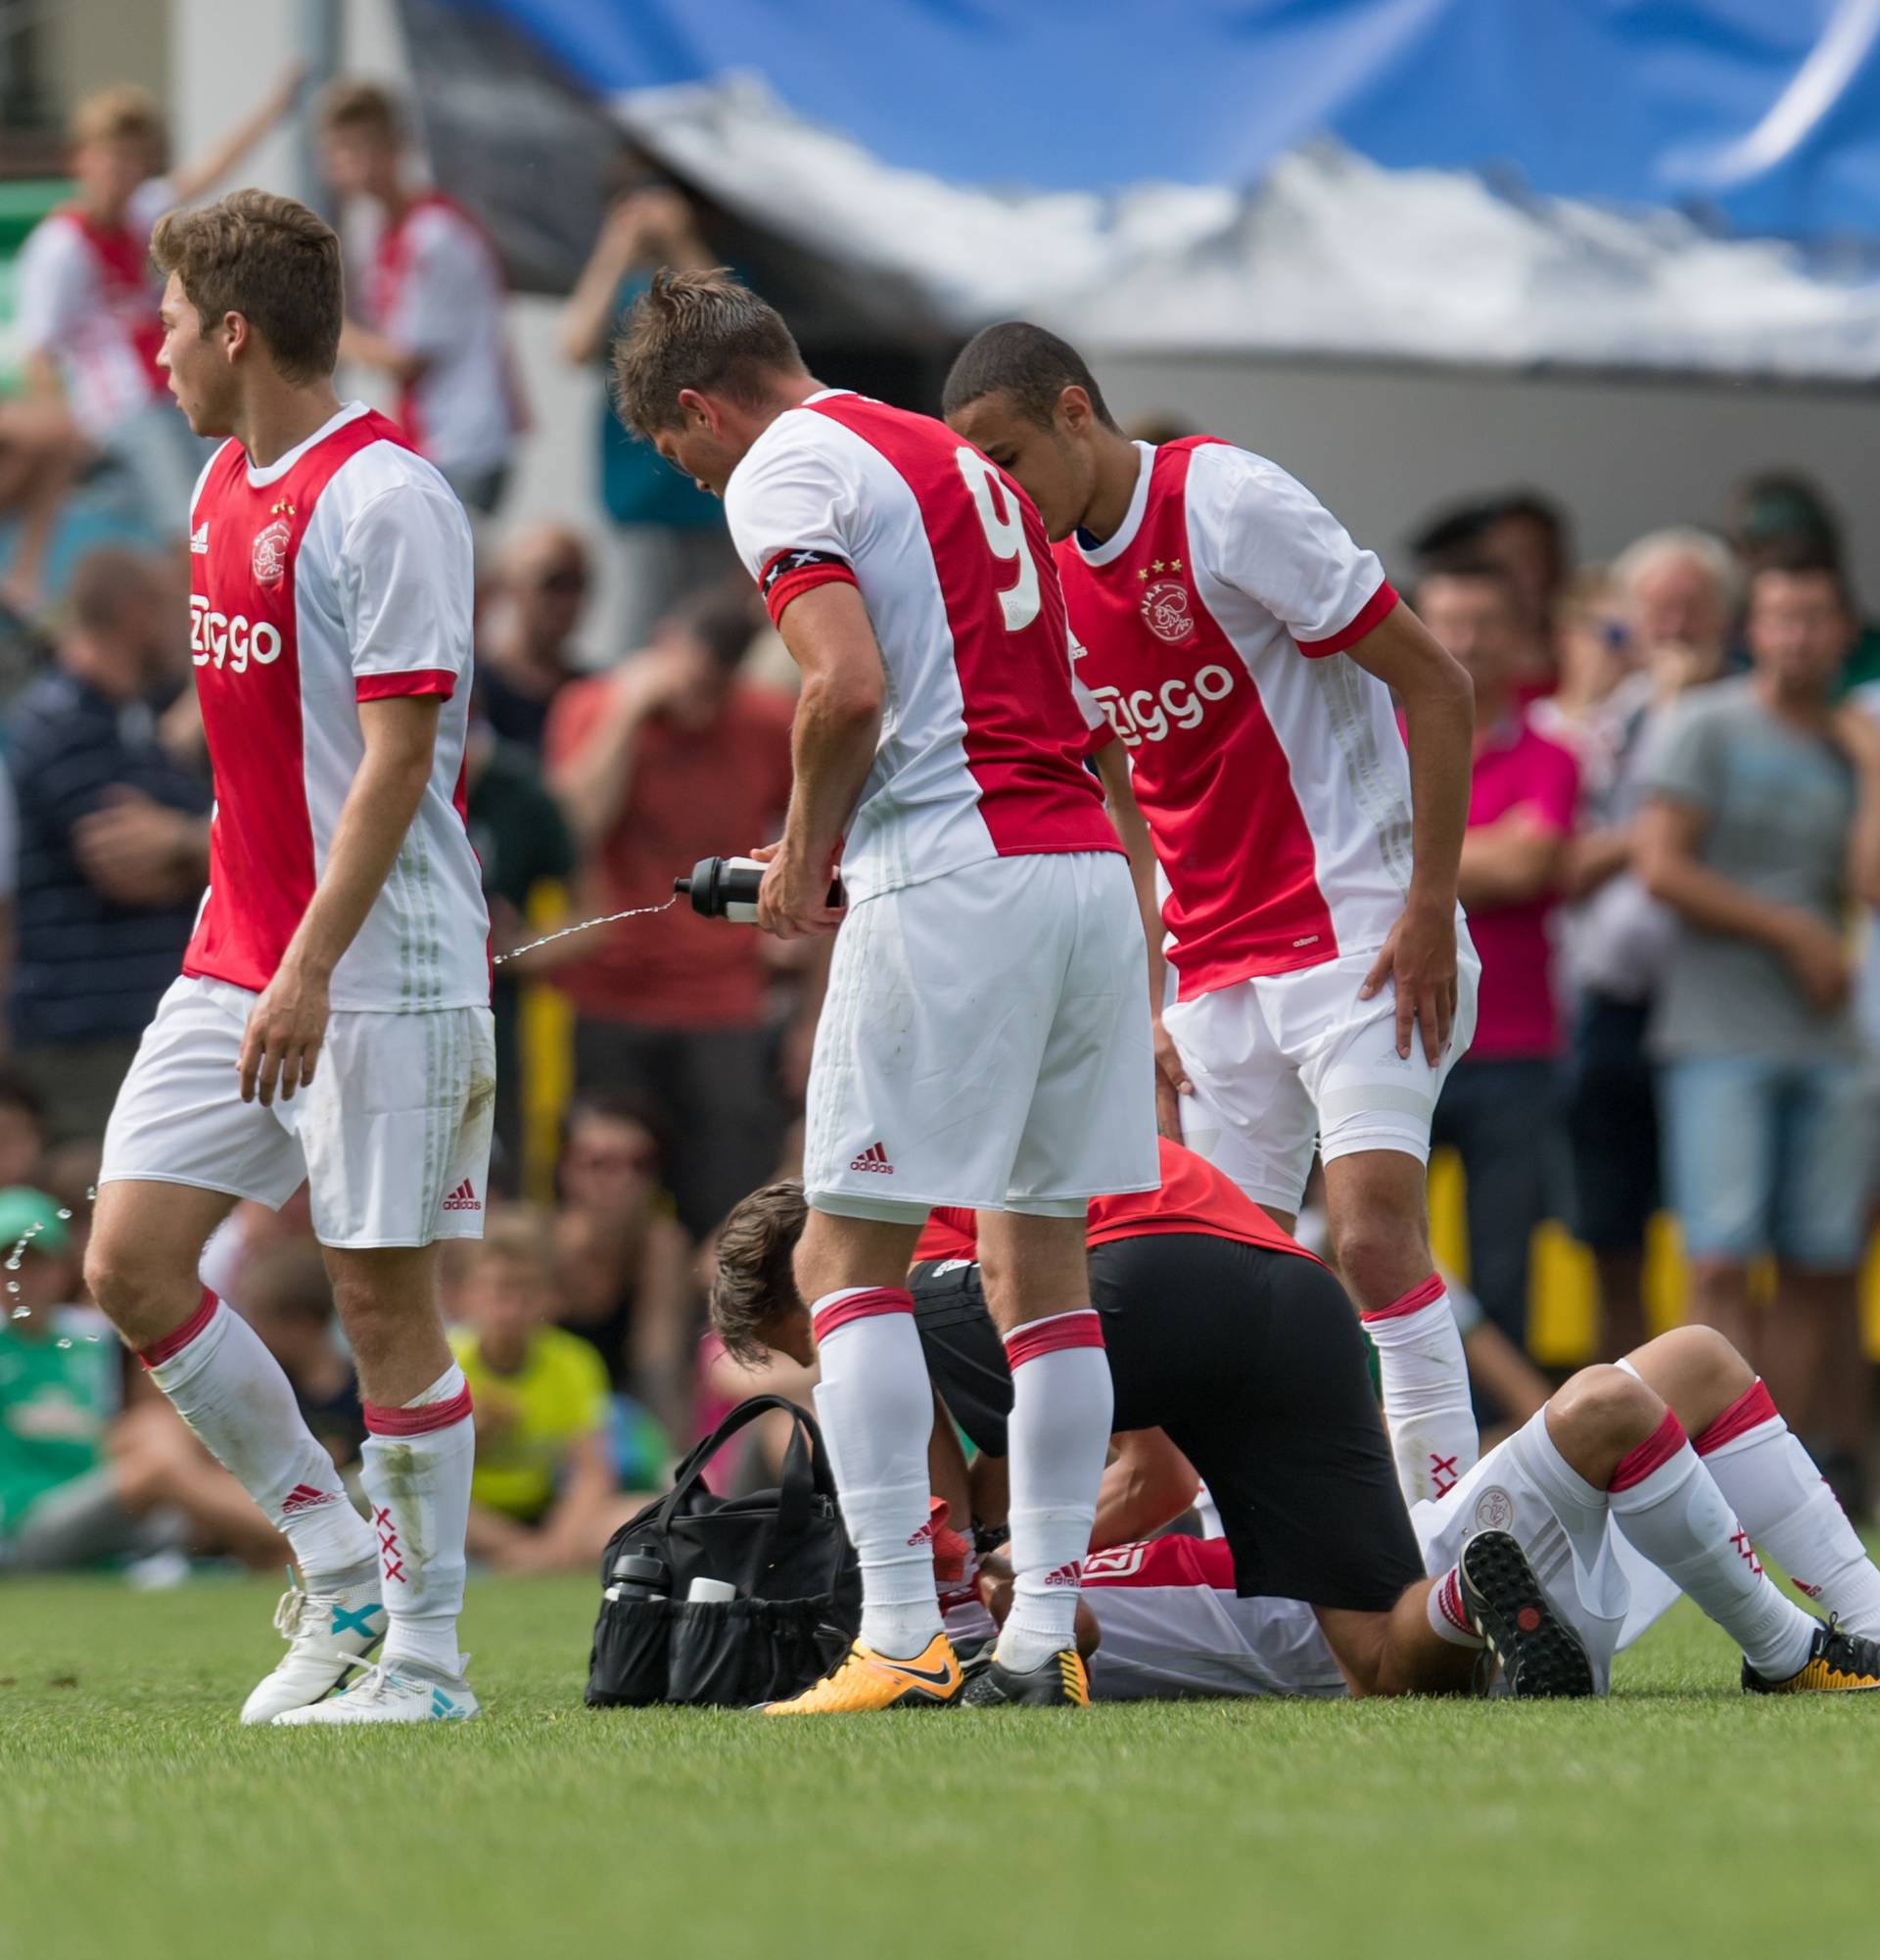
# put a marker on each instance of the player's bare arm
(1148, 1483)
(1171, 1077)
(288, 1022)
(833, 746)
(1668, 835)
(1439, 721)
(1517, 857)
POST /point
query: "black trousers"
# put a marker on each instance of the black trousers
(1501, 1117)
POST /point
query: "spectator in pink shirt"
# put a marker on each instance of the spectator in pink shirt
(1497, 1109)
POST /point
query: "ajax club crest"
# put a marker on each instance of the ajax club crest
(1167, 610)
(270, 546)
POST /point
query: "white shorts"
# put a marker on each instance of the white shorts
(392, 1137)
(1292, 1060)
(1592, 1578)
(985, 1043)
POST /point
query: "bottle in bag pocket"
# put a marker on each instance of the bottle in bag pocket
(714, 1592)
(639, 1575)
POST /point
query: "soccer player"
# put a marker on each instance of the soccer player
(1245, 652)
(1234, 1354)
(984, 1042)
(332, 1021)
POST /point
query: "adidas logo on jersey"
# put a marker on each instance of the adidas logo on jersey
(874, 1158)
(304, 1497)
(199, 540)
(463, 1199)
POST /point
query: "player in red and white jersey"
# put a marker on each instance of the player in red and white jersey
(332, 1024)
(435, 301)
(1245, 651)
(984, 1042)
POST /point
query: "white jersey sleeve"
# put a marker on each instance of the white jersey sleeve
(54, 285)
(406, 580)
(792, 509)
(1264, 533)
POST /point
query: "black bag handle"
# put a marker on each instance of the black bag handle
(806, 1466)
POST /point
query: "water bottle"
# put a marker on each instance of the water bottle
(637, 1575)
(726, 888)
(704, 1591)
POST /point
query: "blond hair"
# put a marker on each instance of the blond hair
(524, 1233)
(127, 109)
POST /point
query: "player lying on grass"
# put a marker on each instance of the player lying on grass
(1220, 1331)
(1611, 1447)
(1162, 1619)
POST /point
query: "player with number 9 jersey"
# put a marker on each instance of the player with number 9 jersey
(986, 920)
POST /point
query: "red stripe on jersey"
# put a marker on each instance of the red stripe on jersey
(1374, 610)
(1194, 1198)
(1163, 1562)
(1208, 771)
(1749, 1411)
(780, 581)
(1653, 1454)
(1024, 736)
(1080, 1327)
(245, 643)
(409, 681)
(120, 260)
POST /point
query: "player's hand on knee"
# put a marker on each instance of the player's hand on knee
(281, 1043)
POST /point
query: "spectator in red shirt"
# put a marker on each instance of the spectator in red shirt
(670, 758)
(1498, 1106)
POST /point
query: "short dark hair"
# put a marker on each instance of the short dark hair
(755, 1279)
(1804, 558)
(723, 621)
(108, 582)
(270, 259)
(1471, 570)
(701, 330)
(350, 104)
(1031, 364)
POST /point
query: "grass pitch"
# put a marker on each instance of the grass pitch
(138, 1821)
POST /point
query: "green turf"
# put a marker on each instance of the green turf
(138, 1821)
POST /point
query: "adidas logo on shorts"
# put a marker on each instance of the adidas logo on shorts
(874, 1158)
(463, 1199)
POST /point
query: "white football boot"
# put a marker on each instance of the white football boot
(399, 1691)
(327, 1635)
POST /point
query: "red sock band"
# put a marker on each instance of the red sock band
(178, 1338)
(864, 1306)
(1653, 1454)
(1412, 1302)
(418, 1421)
(1749, 1411)
(1450, 1602)
(1081, 1328)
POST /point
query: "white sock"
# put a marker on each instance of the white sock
(1426, 1390)
(875, 1406)
(419, 1458)
(223, 1382)
(1447, 1613)
(1669, 1506)
(1772, 1482)
(1057, 1438)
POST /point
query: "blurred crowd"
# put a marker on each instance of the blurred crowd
(1675, 835)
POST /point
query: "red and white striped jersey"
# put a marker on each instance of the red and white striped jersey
(982, 737)
(437, 289)
(1172, 1624)
(87, 300)
(1211, 629)
(339, 574)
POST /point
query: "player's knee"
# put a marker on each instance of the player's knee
(1706, 1362)
(128, 1288)
(1380, 1257)
(1602, 1412)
